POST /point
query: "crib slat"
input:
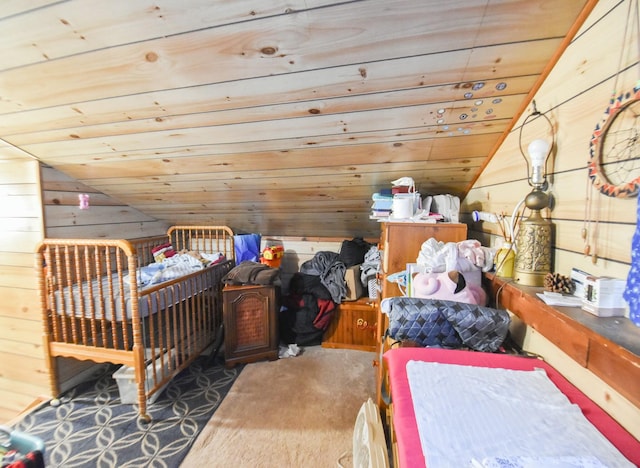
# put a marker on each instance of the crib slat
(68, 283)
(48, 295)
(98, 319)
(182, 324)
(121, 302)
(83, 275)
(89, 331)
(154, 302)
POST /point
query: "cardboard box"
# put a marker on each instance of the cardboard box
(353, 283)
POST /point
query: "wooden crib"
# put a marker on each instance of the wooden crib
(101, 303)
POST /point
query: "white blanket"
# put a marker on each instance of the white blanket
(173, 267)
(480, 417)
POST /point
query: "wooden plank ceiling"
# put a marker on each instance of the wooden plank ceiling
(281, 117)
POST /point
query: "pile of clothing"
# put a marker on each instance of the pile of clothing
(315, 291)
(313, 294)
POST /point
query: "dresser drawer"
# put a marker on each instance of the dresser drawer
(353, 326)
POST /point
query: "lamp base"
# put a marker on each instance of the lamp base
(528, 278)
(533, 257)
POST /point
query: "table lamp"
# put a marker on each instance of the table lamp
(533, 240)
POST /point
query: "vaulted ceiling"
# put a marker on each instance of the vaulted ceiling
(281, 117)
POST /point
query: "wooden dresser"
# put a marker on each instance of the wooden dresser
(400, 244)
(250, 323)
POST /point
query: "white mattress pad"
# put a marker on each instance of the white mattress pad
(488, 417)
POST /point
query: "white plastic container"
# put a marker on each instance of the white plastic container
(603, 296)
(126, 380)
(403, 206)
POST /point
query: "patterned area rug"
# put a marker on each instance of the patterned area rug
(92, 428)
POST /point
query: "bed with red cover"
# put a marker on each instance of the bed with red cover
(405, 437)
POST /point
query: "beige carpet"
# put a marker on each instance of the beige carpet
(293, 412)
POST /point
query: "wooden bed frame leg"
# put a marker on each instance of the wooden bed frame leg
(144, 418)
(140, 378)
(142, 403)
(52, 368)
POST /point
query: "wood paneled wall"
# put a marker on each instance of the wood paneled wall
(105, 218)
(574, 97)
(23, 375)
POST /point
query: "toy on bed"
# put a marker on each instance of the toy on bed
(153, 304)
(449, 286)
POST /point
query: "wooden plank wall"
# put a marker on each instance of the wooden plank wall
(23, 375)
(298, 250)
(574, 97)
(105, 218)
(217, 110)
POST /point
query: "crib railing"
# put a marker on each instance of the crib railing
(202, 239)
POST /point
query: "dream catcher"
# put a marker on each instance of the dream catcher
(614, 167)
(614, 164)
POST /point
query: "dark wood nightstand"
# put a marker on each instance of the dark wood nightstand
(250, 323)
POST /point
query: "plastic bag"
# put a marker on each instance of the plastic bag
(352, 252)
(247, 247)
(448, 206)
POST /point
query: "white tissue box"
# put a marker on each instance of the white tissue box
(603, 296)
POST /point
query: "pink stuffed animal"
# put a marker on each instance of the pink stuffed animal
(448, 286)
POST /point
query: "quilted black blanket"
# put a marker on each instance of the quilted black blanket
(446, 324)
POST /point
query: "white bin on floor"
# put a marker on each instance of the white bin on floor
(126, 379)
